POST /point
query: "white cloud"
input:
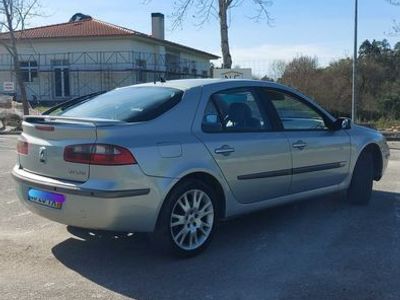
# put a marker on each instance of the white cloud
(284, 52)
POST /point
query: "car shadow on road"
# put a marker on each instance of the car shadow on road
(296, 249)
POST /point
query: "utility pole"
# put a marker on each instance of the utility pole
(354, 88)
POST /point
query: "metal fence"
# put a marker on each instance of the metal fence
(61, 76)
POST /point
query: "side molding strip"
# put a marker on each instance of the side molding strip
(319, 167)
(266, 174)
(293, 171)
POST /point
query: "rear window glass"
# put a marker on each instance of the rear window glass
(132, 104)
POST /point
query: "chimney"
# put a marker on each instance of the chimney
(157, 25)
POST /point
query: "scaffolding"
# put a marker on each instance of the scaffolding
(54, 77)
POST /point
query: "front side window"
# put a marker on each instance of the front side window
(235, 110)
(131, 104)
(294, 114)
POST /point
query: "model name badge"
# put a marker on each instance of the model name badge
(77, 172)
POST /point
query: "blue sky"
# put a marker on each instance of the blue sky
(322, 28)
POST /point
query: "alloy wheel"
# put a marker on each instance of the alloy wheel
(192, 219)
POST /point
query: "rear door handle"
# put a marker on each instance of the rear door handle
(224, 150)
(299, 145)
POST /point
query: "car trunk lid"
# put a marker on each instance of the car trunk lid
(46, 139)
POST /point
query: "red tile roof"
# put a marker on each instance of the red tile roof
(84, 28)
(89, 28)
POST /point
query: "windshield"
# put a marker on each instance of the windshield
(131, 104)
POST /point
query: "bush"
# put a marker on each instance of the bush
(10, 119)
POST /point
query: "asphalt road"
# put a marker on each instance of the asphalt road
(316, 249)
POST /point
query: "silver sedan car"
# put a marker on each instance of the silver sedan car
(173, 158)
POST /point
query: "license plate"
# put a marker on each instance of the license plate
(48, 199)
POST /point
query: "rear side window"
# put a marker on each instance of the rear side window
(131, 104)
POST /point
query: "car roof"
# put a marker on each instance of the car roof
(186, 84)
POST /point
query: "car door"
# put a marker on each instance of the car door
(320, 155)
(254, 159)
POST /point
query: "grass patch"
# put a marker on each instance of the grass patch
(387, 124)
(41, 109)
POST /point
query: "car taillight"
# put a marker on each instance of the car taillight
(22, 147)
(98, 154)
(44, 128)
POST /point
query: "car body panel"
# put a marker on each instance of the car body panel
(324, 161)
(96, 210)
(259, 167)
(255, 153)
(46, 149)
(361, 137)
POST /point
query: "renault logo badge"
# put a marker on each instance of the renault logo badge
(42, 154)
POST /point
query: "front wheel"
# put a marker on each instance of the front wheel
(360, 189)
(187, 220)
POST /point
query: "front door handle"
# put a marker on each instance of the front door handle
(299, 145)
(224, 150)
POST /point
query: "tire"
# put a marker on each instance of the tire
(360, 190)
(187, 219)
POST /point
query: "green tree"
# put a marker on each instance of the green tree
(334, 87)
(376, 49)
(389, 102)
(300, 73)
(379, 81)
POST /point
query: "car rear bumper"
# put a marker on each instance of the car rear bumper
(133, 210)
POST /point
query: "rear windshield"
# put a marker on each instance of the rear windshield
(131, 104)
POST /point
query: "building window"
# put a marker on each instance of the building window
(141, 75)
(29, 70)
(194, 68)
(172, 62)
(61, 73)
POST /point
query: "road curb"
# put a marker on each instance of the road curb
(391, 136)
(10, 132)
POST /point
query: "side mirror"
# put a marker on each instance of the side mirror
(211, 118)
(342, 123)
(211, 123)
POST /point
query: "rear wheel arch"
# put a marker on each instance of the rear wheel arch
(164, 235)
(212, 182)
(377, 159)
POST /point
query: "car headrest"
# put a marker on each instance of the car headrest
(239, 112)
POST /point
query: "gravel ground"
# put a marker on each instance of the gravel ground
(316, 249)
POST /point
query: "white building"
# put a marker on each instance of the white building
(86, 55)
